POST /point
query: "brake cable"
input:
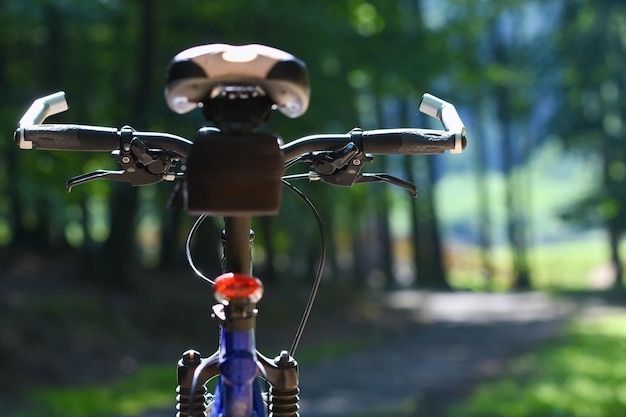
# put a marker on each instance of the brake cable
(320, 268)
(193, 230)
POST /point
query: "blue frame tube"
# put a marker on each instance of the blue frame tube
(238, 392)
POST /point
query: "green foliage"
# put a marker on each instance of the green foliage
(369, 60)
(581, 375)
(593, 97)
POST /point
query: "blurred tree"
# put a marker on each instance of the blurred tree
(111, 56)
(509, 79)
(592, 50)
(398, 75)
(119, 254)
(503, 96)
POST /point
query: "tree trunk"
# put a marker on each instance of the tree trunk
(388, 112)
(118, 257)
(616, 263)
(515, 227)
(484, 217)
(170, 253)
(332, 261)
(430, 259)
(385, 242)
(268, 274)
(358, 235)
(425, 230)
(120, 251)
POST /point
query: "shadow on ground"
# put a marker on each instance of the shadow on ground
(455, 341)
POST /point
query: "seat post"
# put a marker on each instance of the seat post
(237, 240)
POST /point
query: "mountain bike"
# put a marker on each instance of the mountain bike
(233, 170)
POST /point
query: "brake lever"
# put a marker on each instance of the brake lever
(136, 178)
(389, 179)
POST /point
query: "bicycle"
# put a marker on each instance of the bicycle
(233, 171)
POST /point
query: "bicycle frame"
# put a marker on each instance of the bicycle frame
(237, 363)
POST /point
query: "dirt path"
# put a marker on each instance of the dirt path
(436, 347)
(458, 339)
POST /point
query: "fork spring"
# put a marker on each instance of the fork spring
(200, 402)
(284, 402)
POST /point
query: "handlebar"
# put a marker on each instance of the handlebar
(381, 142)
(32, 134)
(68, 137)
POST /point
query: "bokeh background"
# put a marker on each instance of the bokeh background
(537, 202)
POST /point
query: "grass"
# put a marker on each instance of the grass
(567, 266)
(563, 266)
(150, 387)
(582, 375)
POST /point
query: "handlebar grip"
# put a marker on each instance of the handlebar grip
(411, 141)
(68, 138)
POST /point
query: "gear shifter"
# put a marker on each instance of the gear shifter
(141, 165)
(343, 167)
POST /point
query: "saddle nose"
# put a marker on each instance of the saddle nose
(202, 73)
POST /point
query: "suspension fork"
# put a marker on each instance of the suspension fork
(237, 360)
(281, 373)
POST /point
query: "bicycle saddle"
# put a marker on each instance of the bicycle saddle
(202, 73)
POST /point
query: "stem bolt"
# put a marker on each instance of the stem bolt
(191, 358)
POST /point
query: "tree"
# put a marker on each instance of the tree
(592, 98)
(504, 104)
(506, 70)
